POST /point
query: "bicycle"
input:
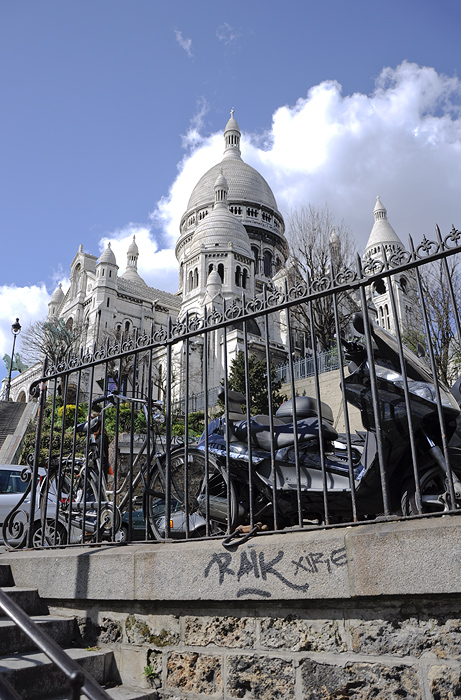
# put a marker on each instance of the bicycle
(79, 485)
(184, 491)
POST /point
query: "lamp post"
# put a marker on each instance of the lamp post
(15, 329)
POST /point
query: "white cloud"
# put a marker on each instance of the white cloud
(158, 268)
(227, 34)
(29, 304)
(185, 44)
(402, 142)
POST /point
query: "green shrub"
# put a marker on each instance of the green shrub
(70, 415)
(197, 421)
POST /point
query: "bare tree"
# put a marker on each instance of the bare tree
(441, 317)
(52, 337)
(318, 246)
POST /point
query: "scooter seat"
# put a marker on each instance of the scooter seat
(283, 435)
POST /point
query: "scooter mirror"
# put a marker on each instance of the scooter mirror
(357, 322)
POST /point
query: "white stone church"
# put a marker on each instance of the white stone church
(231, 240)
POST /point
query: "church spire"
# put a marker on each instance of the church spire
(221, 189)
(132, 256)
(131, 273)
(382, 234)
(232, 138)
(380, 211)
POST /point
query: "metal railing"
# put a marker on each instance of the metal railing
(306, 366)
(79, 681)
(244, 471)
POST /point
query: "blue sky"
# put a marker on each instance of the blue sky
(112, 109)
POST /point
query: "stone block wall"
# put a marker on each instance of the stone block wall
(362, 650)
(371, 612)
(330, 393)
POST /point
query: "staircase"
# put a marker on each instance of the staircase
(10, 415)
(30, 672)
(14, 421)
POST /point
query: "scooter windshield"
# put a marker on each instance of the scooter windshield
(388, 349)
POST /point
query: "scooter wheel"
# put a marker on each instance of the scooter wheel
(197, 487)
(435, 494)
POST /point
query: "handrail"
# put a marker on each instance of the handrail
(7, 692)
(79, 680)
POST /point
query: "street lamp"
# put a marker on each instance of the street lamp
(15, 329)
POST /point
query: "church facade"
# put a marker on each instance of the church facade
(231, 242)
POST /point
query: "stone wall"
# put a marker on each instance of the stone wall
(356, 613)
(330, 393)
(407, 649)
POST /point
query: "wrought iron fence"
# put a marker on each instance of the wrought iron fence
(140, 463)
(305, 367)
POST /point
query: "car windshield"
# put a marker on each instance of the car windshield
(11, 482)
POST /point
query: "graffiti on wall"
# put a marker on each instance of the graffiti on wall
(251, 569)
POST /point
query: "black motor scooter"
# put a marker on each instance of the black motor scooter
(323, 477)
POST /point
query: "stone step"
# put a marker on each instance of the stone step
(63, 630)
(6, 577)
(34, 676)
(120, 692)
(129, 692)
(27, 599)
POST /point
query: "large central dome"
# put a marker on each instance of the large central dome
(249, 197)
(245, 184)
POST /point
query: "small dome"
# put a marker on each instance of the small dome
(232, 124)
(221, 182)
(133, 248)
(218, 230)
(379, 207)
(131, 273)
(107, 257)
(382, 233)
(213, 283)
(58, 295)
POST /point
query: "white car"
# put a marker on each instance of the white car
(13, 485)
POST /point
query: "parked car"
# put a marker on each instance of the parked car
(13, 485)
(138, 526)
(177, 522)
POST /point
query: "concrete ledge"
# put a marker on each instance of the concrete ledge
(392, 558)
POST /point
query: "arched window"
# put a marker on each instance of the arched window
(196, 277)
(221, 271)
(244, 278)
(403, 284)
(210, 268)
(386, 318)
(76, 277)
(268, 263)
(379, 287)
(191, 281)
(255, 252)
(238, 276)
